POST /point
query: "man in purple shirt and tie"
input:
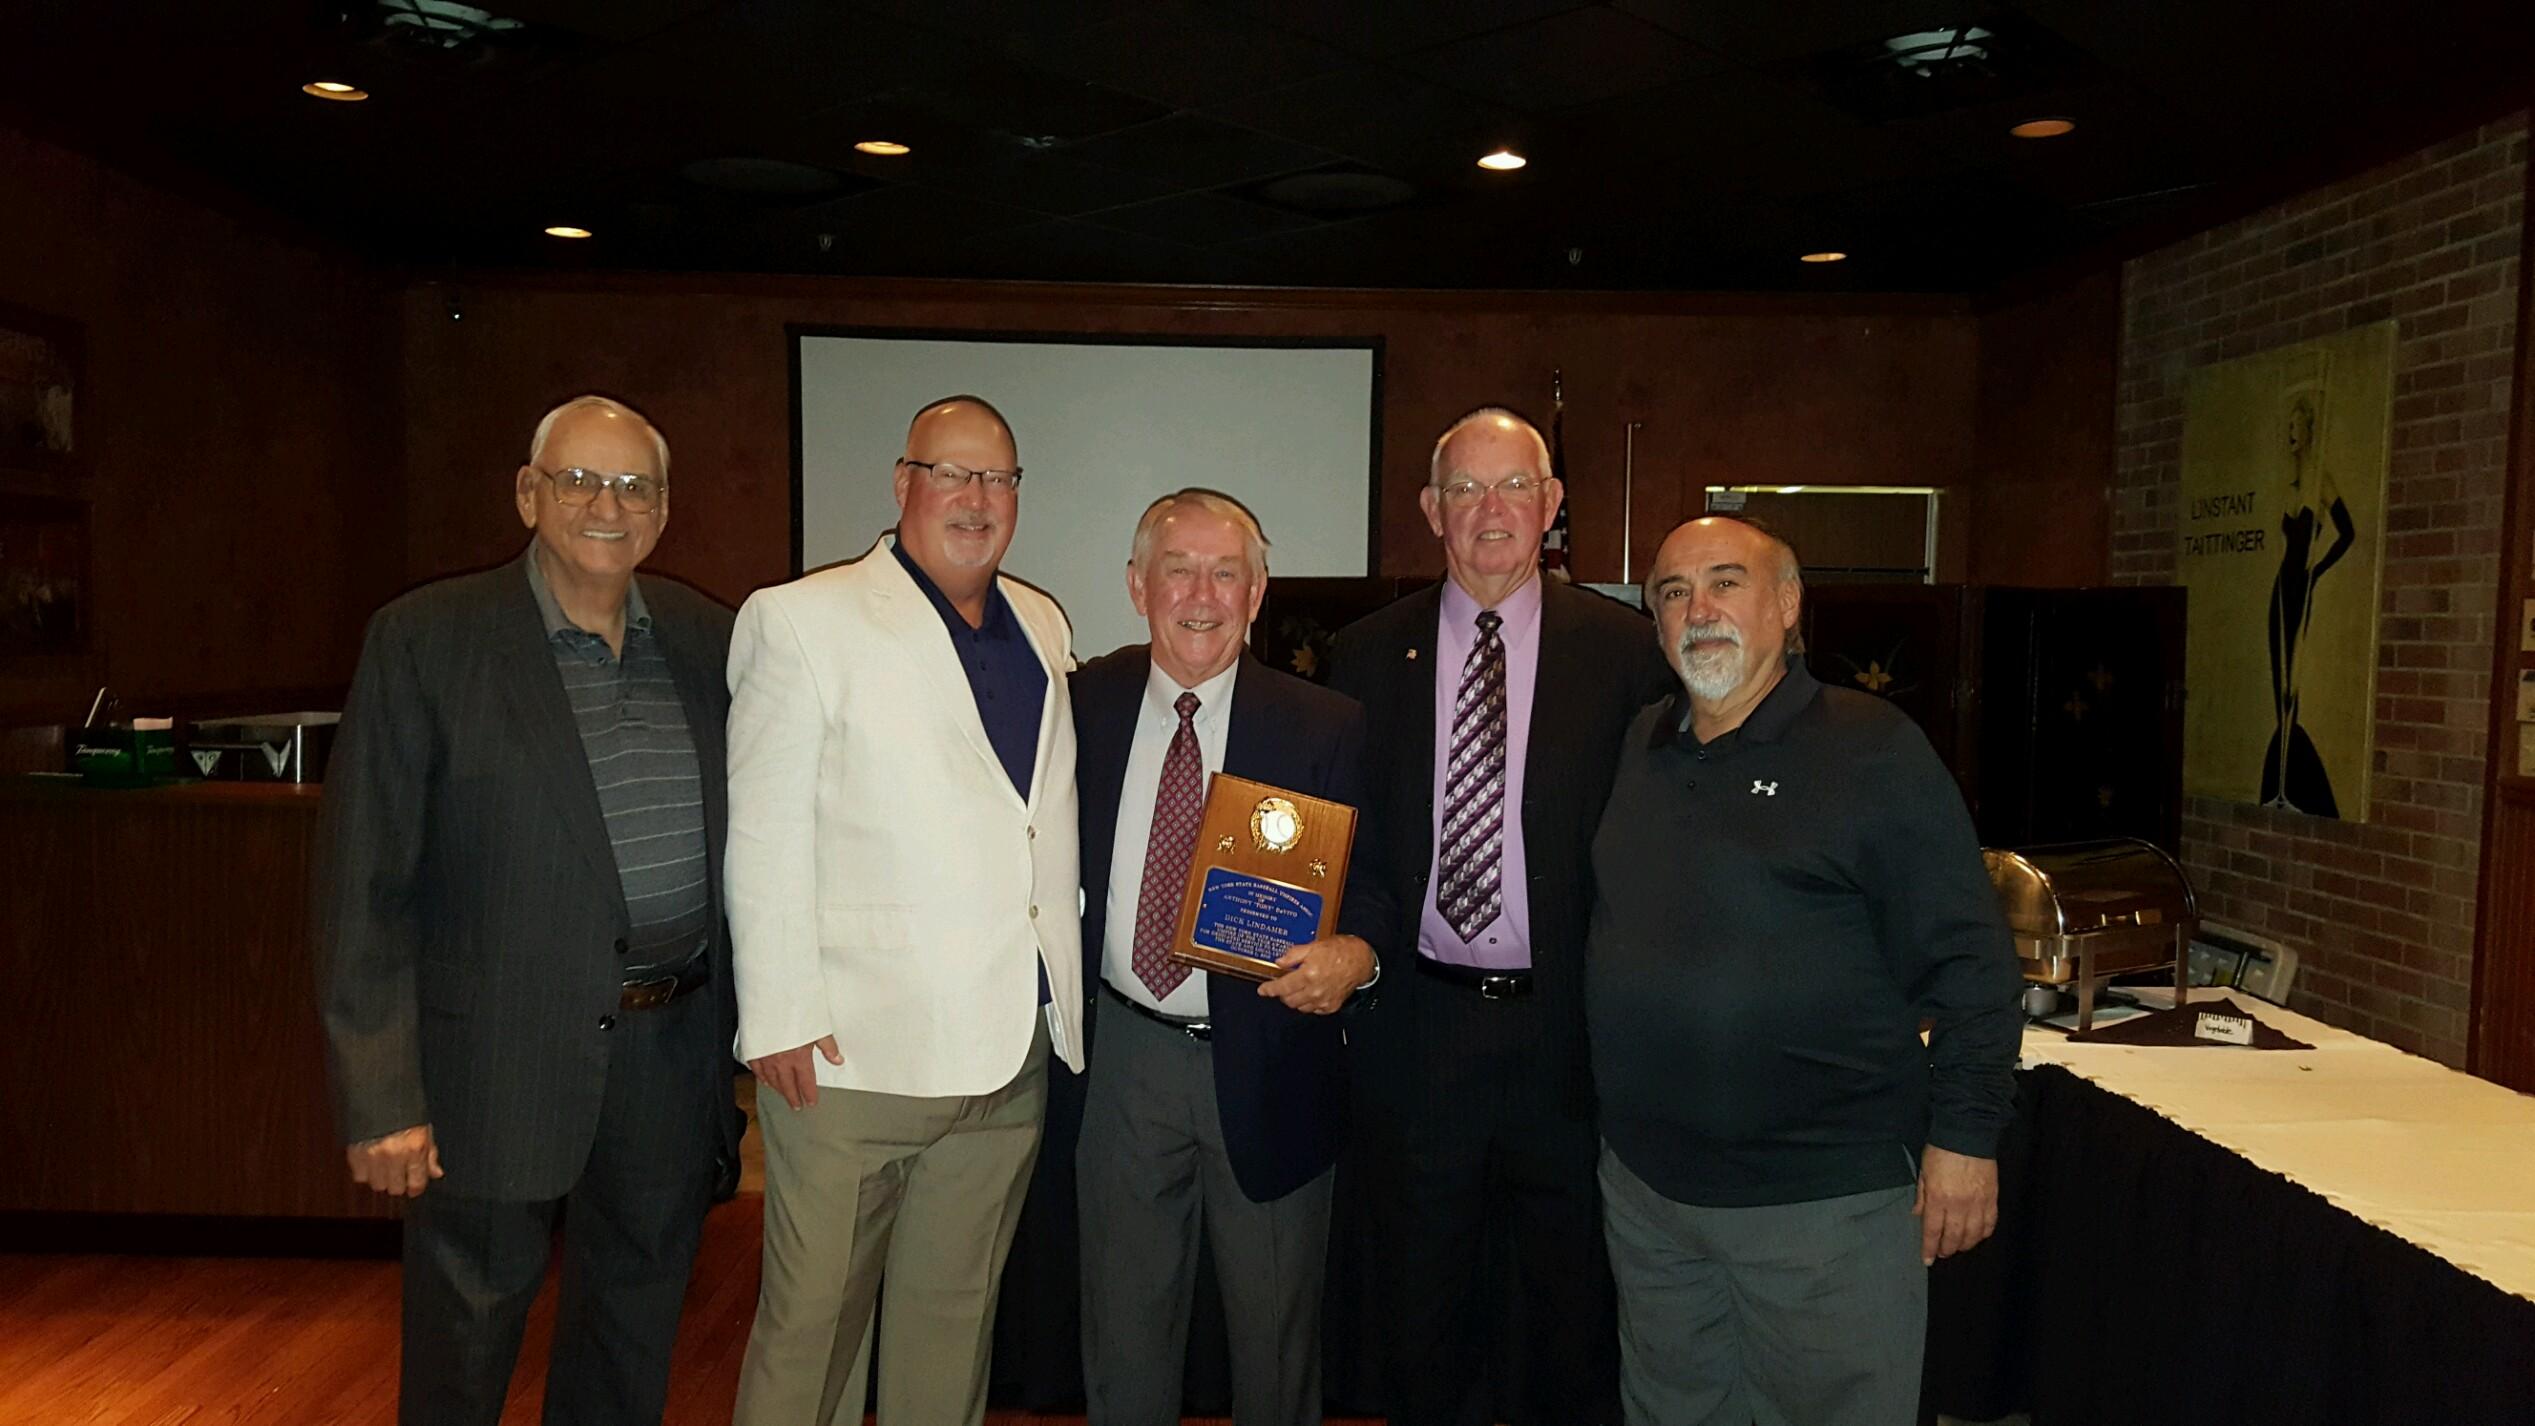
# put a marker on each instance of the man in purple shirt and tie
(1495, 706)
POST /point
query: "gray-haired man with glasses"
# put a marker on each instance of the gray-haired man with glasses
(526, 992)
(903, 891)
(1494, 706)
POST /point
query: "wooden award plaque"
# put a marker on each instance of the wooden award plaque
(1264, 877)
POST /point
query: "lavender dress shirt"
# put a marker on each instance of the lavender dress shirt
(1506, 942)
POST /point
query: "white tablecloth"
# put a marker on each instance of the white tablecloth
(2438, 1158)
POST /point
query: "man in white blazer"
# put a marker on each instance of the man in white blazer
(901, 883)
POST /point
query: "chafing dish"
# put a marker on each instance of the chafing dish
(2084, 912)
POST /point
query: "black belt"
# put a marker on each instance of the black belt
(1490, 984)
(1193, 1029)
(660, 990)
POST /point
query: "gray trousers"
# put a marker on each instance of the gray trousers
(864, 1188)
(1796, 1314)
(1151, 1176)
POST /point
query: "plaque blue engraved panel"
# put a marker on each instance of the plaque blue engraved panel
(1253, 917)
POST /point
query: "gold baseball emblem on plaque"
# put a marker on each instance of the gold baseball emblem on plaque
(1256, 897)
(1276, 824)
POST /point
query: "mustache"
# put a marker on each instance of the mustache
(1716, 629)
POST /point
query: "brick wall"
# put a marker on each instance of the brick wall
(2383, 911)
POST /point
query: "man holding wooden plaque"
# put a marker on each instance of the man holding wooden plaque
(1217, 1096)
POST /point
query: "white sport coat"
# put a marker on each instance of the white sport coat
(885, 883)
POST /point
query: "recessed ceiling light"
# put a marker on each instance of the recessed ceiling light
(336, 90)
(886, 148)
(2043, 128)
(1824, 257)
(1503, 161)
(563, 231)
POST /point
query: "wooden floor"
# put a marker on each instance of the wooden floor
(95, 1340)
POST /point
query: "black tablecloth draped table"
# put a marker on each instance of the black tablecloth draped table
(2141, 1276)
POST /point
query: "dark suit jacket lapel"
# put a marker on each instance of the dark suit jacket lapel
(1103, 737)
(542, 720)
(1248, 744)
(1417, 694)
(1566, 662)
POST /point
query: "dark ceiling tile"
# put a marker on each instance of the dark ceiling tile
(772, 59)
(1359, 107)
(1393, 27)
(1053, 182)
(1188, 57)
(617, 20)
(1066, 250)
(1201, 219)
(1574, 58)
(913, 208)
(1763, 32)
(1196, 152)
(1008, 98)
(1015, 26)
(1739, 132)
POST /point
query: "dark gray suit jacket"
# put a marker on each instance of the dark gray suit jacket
(467, 909)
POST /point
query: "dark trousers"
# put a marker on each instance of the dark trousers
(630, 1228)
(1478, 1140)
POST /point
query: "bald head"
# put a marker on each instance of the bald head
(956, 417)
(1725, 594)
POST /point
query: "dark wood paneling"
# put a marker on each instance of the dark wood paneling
(239, 436)
(159, 1046)
(2502, 1044)
(2042, 494)
(1730, 391)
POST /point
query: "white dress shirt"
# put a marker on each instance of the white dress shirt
(1156, 723)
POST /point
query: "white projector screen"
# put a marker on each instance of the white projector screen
(1105, 425)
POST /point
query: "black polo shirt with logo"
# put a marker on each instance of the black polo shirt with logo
(1776, 913)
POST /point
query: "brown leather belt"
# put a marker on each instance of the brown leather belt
(1193, 1029)
(652, 994)
(1490, 984)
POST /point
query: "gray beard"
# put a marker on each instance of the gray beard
(1709, 676)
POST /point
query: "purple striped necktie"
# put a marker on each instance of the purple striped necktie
(1468, 888)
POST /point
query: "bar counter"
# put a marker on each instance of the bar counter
(159, 1045)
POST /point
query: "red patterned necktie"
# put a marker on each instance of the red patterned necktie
(1176, 807)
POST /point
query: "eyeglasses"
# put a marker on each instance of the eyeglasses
(947, 477)
(1517, 490)
(575, 486)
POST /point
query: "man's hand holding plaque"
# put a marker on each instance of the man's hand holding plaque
(1263, 889)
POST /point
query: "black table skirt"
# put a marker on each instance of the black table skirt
(2142, 1276)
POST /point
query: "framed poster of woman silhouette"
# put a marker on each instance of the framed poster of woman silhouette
(2284, 459)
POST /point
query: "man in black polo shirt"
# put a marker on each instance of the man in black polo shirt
(1788, 885)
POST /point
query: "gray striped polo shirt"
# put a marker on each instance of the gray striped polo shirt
(642, 759)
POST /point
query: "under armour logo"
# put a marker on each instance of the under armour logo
(1764, 789)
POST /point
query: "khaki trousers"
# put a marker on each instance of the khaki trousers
(864, 1189)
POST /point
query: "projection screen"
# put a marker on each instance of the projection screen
(1105, 424)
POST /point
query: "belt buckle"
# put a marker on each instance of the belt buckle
(1497, 987)
(1198, 1030)
(648, 994)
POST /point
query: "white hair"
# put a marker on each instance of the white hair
(1254, 541)
(546, 428)
(1435, 463)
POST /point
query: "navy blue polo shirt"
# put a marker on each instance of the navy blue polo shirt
(1004, 673)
